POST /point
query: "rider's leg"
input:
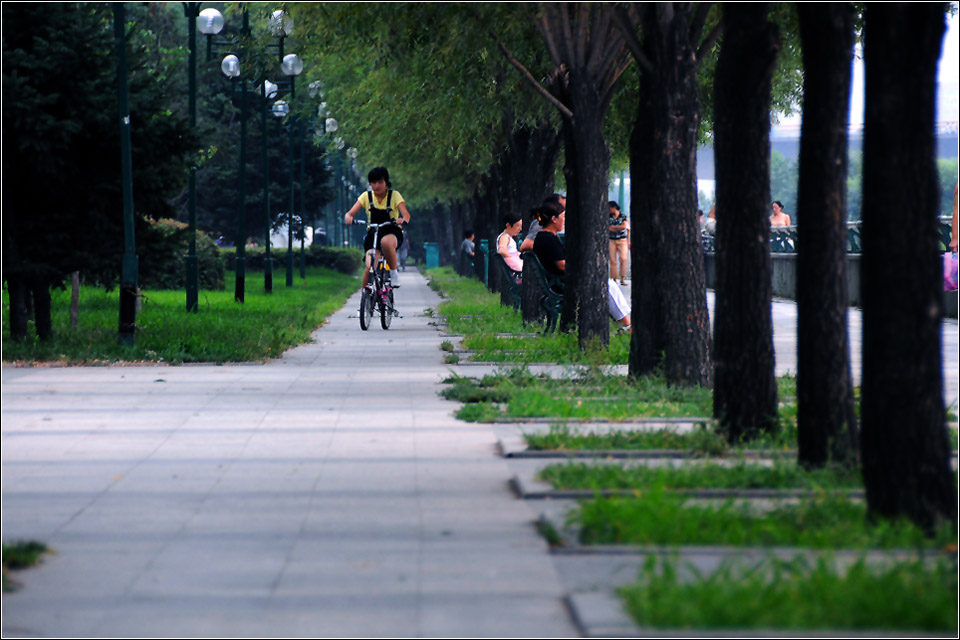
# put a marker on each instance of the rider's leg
(368, 259)
(389, 247)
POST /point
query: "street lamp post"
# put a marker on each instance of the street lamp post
(292, 66)
(280, 25)
(269, 93)
(192, 11)
(130, 266)
(231, 69)
(303, 213)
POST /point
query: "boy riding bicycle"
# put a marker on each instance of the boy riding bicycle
(382, 204)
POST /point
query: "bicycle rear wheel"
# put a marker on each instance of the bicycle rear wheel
(366, 309)
(386, 309)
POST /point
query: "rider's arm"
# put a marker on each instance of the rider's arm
(404, 215)
(348, 217)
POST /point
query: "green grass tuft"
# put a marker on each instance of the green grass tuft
(792, 594)
(658, 517)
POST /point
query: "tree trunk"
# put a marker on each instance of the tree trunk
(745, 387)
(527, 177)
(18, 307)
(826, 421)
(904, 442)
(646, 343)
(672, 115)
(74, 299)
(587, 239)
(41, 308)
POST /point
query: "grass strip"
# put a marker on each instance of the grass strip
(792, 594)
(822, 522)
(470, 309)
(702, 441)
(264, 326)
(590, 394)
(20, 555)
(743, 475)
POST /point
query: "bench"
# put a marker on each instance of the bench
(551, 301)
(510, 277)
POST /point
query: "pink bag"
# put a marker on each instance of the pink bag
(950, 272)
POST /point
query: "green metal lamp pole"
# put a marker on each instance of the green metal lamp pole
(241, 243)
(129, 270)
(192, 10)
(303, 229)
(290, 215)
(267, 259)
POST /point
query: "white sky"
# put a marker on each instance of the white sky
(949, 74)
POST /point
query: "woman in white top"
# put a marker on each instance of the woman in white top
(507, 243)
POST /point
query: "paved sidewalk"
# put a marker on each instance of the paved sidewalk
(328, 493)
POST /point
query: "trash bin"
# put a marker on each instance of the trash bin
(433, 254)
(485, 251)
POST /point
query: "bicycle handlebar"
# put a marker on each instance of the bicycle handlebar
(382, 224)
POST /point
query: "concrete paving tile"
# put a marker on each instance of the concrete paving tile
(329, 492)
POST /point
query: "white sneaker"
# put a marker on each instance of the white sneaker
(394, 278)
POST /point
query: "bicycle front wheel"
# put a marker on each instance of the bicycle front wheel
(386, 309)
(366, 309)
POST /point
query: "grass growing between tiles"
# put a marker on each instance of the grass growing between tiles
(710, 475)
(659, 517)
(797, 594)
(516, 394)
(18, 556)
(472, 311)
(702, 440)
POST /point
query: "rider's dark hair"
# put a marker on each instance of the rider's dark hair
(379, 173)
(467, 233)
(778, 203)
(613, 203)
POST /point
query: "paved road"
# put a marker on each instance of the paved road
(328, 493)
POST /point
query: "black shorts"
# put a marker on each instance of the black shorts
(392, 230)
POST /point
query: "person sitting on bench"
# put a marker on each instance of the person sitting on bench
(550, 252)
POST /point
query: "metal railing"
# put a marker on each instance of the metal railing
(784, 239)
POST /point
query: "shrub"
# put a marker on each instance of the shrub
(162, 248)
(343, 260)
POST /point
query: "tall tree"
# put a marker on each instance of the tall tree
(64, 214)
(588, 56)
(745, 388)
(669, 296)
(904, 443)
(826, 421)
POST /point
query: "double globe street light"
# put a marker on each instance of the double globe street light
(210, 22)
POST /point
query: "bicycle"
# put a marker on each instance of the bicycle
(377, 294)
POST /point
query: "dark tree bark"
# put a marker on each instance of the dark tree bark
(826, 421)
(587, 247)
(74, 299)
(668, 259)
(904, 442)
(647, 341)
(41, 308)
(527, 170)
(18, 307)
(487, 210)
(588, 55)
(745, 387)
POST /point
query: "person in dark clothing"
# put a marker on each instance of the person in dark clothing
(550, 252)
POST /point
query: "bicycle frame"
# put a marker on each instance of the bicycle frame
(378, 293)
